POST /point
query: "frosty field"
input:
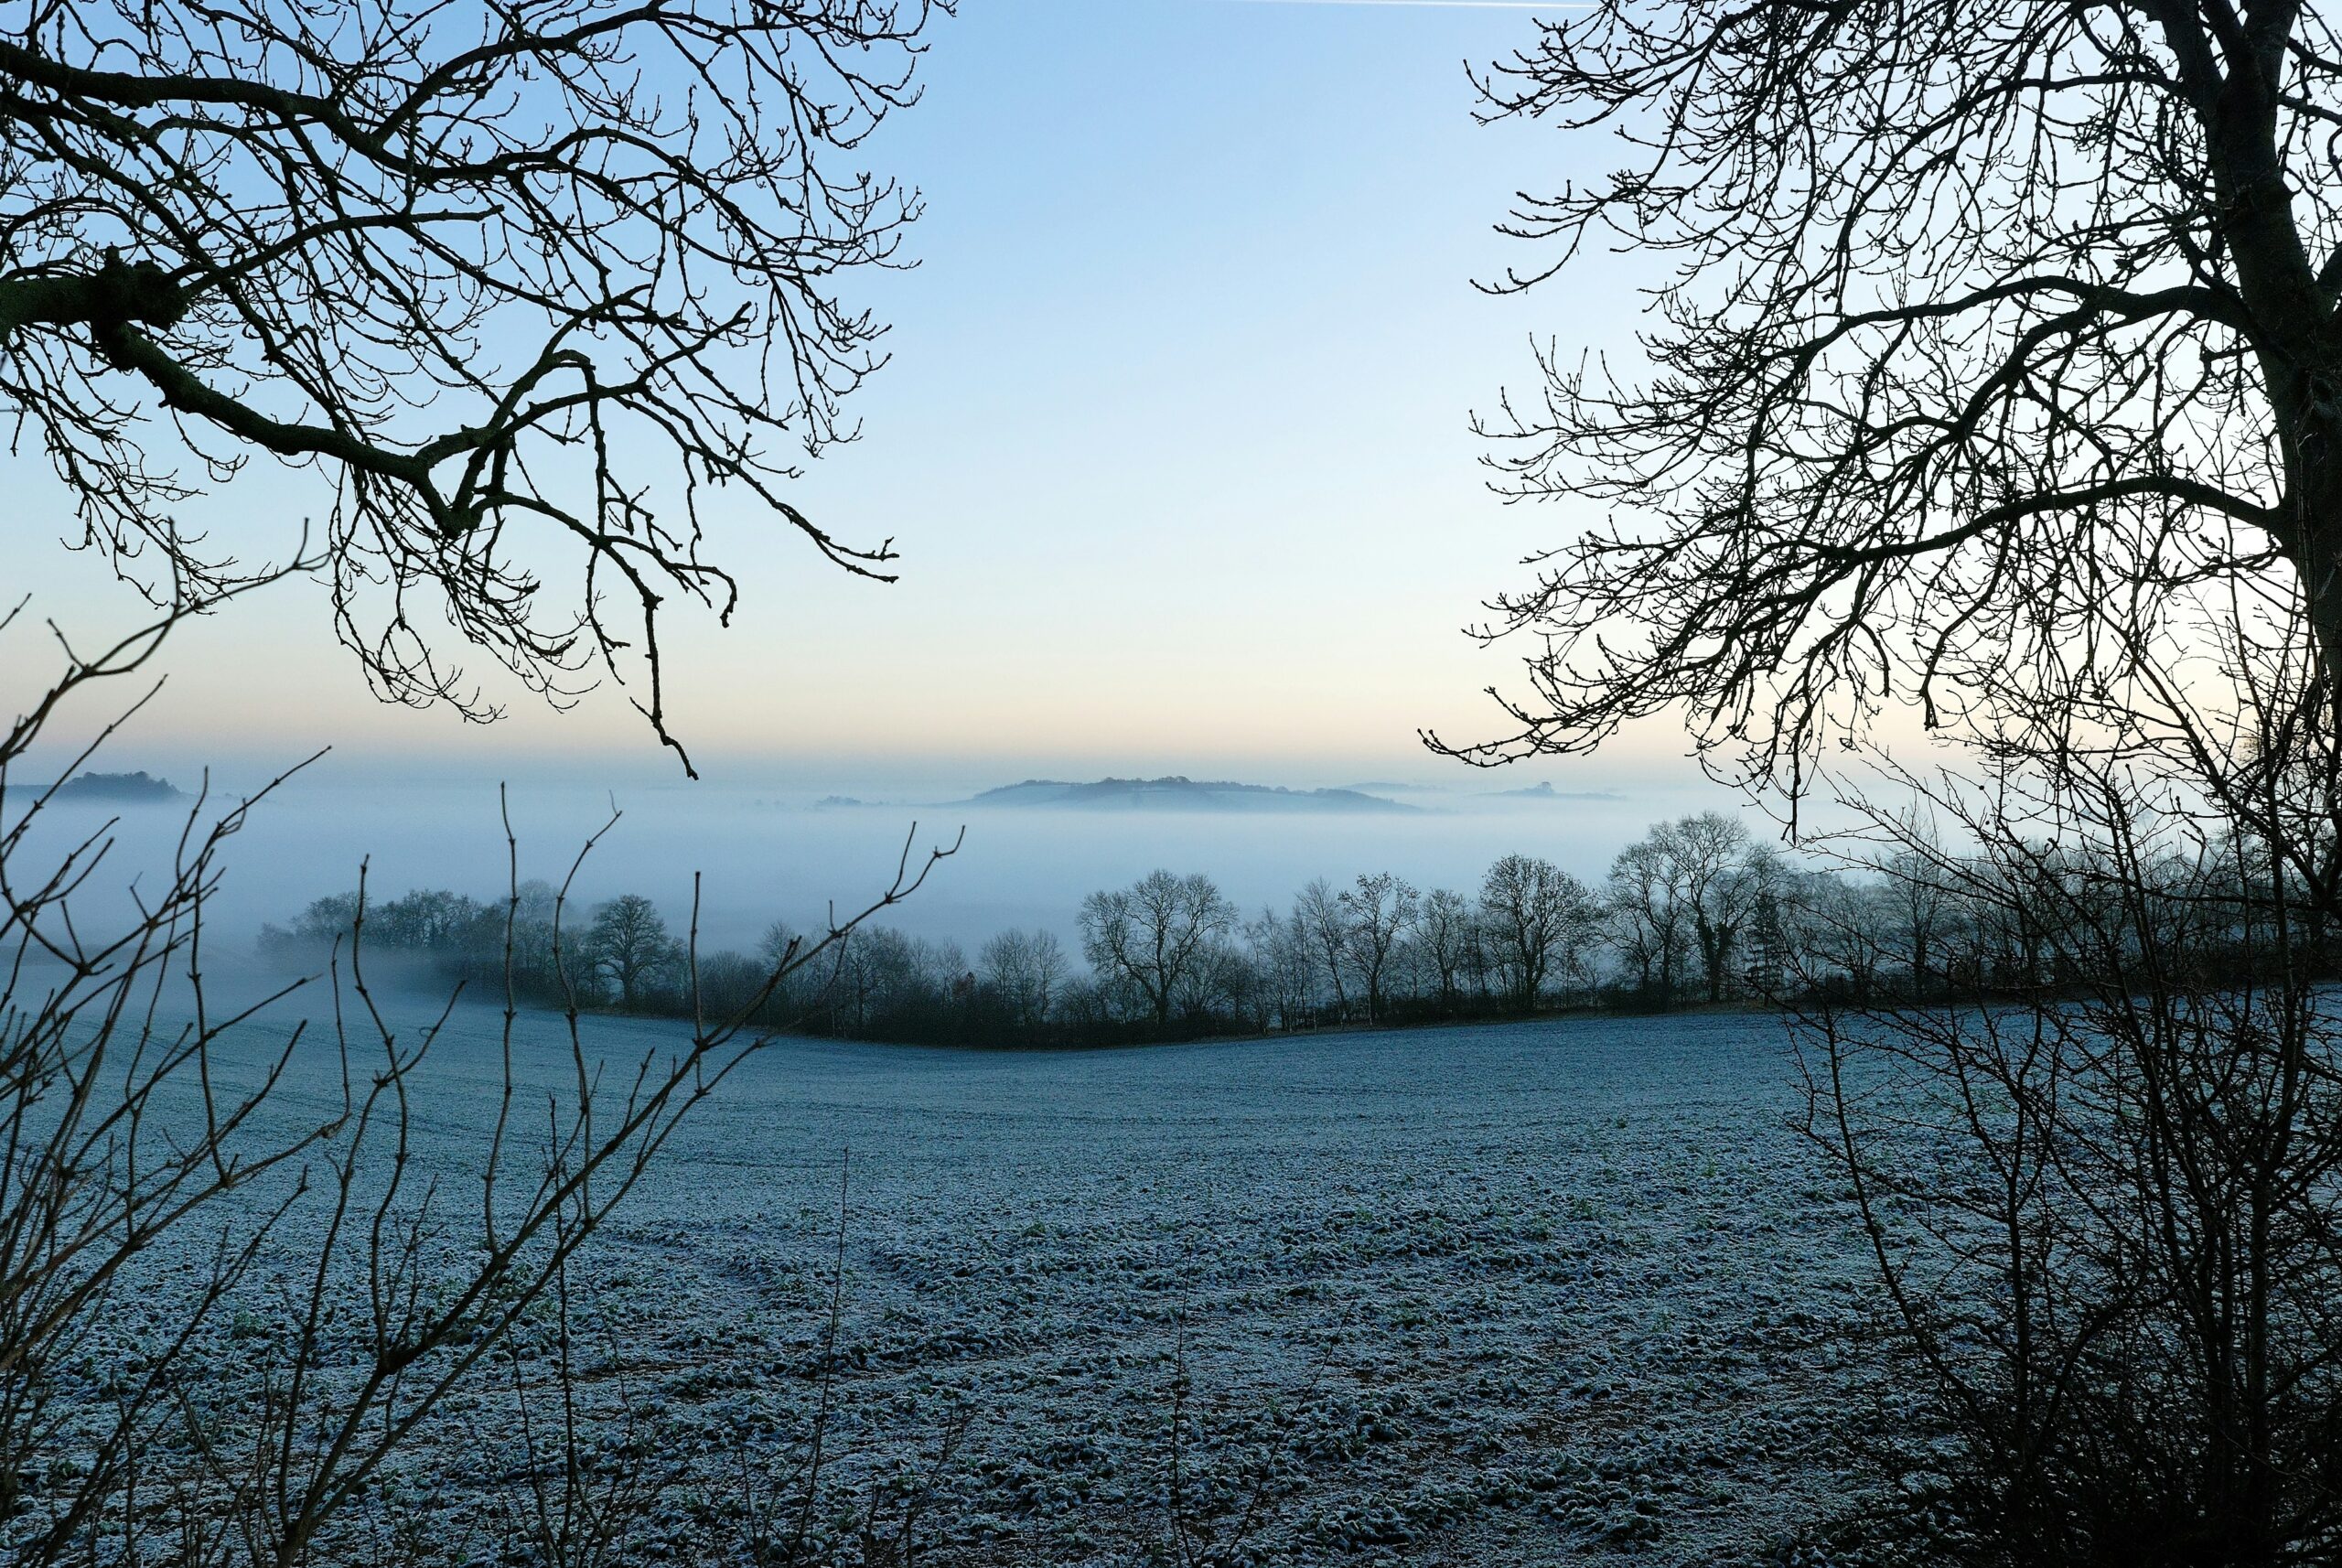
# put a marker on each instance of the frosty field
(1555, 1292)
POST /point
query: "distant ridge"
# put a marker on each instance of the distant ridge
(1180, 794)
(1545, 791)
(116, 789)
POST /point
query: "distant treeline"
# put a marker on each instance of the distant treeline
(1697, 911)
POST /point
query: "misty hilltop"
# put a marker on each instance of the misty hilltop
(1179, 794)
(1544, 791)
(139, 789)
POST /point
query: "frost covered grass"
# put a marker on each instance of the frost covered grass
(1560, 1291)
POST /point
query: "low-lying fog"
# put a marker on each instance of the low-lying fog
(771, 855)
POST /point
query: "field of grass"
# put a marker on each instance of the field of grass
(1558, 1291)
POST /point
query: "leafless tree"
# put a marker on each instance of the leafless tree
(1647, 900)
(628, 944)
(1155, 935)
(1320, 913)
(1985, 340)
(1286, 959)
(1840, 930)
(500, 275)
(1445, 932)
(881, 970)
(1025, 968)
(1378, 908)
(1924, 906)
(2100, 1182)
(1724, 875)
(1537, 920)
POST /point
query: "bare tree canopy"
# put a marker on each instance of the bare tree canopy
(1995, 342)
(521, 281)
(1155, 935)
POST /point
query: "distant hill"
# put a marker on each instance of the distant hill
(1179, 794)
(118, 790)
(1545, 791)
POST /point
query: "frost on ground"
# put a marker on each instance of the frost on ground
(1568, 1290)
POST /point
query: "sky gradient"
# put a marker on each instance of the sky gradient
(1174, 443)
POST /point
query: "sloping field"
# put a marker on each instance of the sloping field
(1560, 1292)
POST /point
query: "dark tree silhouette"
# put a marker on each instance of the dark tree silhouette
(629, 945)
(1026, 971)
(1155, 935)
(1648, 900)
(1533, 913)
(502, 274)
(1380, 908)
(1989, 339)
(1724, 875)
(2098, 1171)
(1326, 920)
(1443, 928)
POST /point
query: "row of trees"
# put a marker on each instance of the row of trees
(1697, 910)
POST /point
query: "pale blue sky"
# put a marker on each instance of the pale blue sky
(1174, 443)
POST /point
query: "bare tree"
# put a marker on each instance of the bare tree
(882, 971)
(1320, 912)
(1537, 918)
(500, 275)
(1723, 876)
(1287, 961)
(1924, 903)
(1987, 341)
(1445, 931)
(628, 944)
(1378, 911)
(1838, 930)
(1155, 935)
(1647, 900)
(1992, 378)
(2100, 1182)
(1027, 969)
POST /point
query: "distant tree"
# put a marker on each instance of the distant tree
(1285, 959)
(779, 941)
(1222, 984)
(1025, 970)
(627, 945)
(1534, 915)
(1919, 889)
(729, 982)
(1846, 926)
(531, 907)
(1153, 936)
(1084, 1008)
(1376, 911)
(1791, 911)
(1326, 920)
(500, 274)
(779, 947)
(327, 917)
(1413, 975)
(426, 920)
(1647, 902)
(889, 980)
(1722, 872)
(1444, 932)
